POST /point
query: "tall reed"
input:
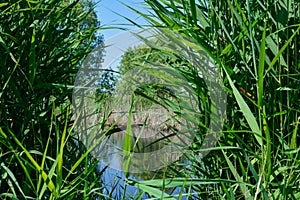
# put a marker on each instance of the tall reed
(42, 46)
(255, 45)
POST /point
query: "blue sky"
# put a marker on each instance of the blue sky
(107, 14)
(117, 41)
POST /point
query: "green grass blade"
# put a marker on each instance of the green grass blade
(178, 182)
(245, 110)
(49, 182)
(261, 64)
(194, 10)
(127, 141)
(151, 190)
(32, 58)
(283, 49)
(293, 144)
(242, 185)
(42, 165)
(60, 157)
(50, 175)
(13, 178)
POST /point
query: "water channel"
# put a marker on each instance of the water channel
(114, 175)
(153, 147)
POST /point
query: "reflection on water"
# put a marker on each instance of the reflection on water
(154, 145)
(146, 154)
(150, 144)
(115, 184)
(113, 177)
(154, 141)
(149, 158)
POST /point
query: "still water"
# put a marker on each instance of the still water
(143, 150)
(150, 155)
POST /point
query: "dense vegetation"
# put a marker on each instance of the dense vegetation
(255, 45)
(255, 48)
(42, 45)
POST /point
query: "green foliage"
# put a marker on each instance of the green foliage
(107, 82)
(133, 57)
(255, 45)
(134, 66)
(42, 45)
